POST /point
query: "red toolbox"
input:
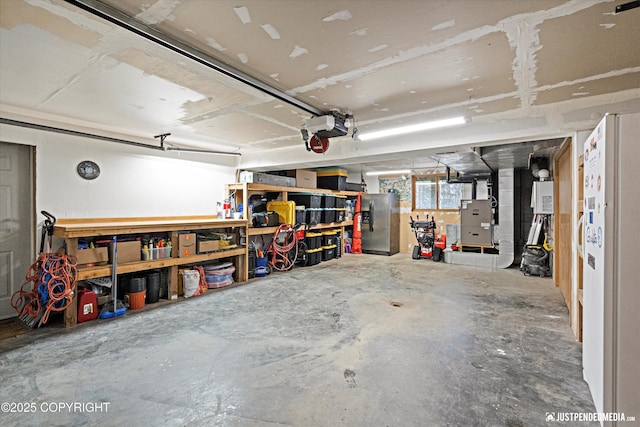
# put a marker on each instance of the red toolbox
(87, 305)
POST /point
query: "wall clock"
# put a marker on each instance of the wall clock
(88, 169)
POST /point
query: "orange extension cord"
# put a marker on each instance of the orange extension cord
(280, 259)
(53, 279)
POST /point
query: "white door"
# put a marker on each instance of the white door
(16, 219)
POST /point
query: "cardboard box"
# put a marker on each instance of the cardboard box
(304, 178)
(186, 245)
(97, 256)
(208, 246)
(127, 252)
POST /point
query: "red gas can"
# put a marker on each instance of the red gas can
(87, 305)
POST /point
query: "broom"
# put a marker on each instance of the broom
(114, 307)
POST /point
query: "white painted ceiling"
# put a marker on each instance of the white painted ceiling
(521, 70)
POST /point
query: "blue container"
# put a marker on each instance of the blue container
(261, 266)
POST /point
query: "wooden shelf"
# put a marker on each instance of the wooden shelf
(283, 189)
(72, 229)
(131, 267)
(256, 231)
(69, 228)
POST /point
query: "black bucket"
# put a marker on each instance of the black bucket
(153, 287)
(136, 284)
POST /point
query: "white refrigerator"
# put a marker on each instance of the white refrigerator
(611, 265)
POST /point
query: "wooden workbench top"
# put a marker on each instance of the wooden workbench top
(80, 227)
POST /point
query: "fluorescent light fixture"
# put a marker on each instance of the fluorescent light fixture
(414, 128)
(398, 172)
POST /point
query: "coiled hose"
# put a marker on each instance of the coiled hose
(53, 280)
(284, 248)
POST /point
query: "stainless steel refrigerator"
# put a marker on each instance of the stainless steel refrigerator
(611, 272)
(380, 224)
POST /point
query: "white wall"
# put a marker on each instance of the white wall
(133, 181)
(373, 186)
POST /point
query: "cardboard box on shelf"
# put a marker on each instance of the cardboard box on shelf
(127, 252)
(186, 244)
(208, 246)
(96, 256)
(304, 178)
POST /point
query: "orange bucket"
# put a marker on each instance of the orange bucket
(136, 300)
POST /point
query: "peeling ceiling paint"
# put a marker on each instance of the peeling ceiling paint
(271, 31)
(343, 15)
(243, 14)
(159, 11)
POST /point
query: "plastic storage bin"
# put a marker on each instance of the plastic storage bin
(313, 216)
(313, 240)
(329, 237)
(308, 200)
(314, 256)
(332, 179)
(328, 201)
(300, 215)
(328, 216)
(328, 252)
(286, 211)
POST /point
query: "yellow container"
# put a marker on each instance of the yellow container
(331, 172)
(285, 210)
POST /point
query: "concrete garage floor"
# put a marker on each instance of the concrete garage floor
(361, 341)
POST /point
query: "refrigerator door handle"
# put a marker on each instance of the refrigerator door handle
(579, 233)
(371, 215)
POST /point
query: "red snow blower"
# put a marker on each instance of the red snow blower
(429, 245)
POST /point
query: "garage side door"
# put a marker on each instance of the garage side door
(16, 224)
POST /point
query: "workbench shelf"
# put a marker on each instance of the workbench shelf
(72, 229)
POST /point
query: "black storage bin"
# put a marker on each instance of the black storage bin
(333, 182)
(328, 252)
(340, 214)
(329, 238)
(308, 200)
(328, 201)
(313, 240)
(353, 186)
(313, 216)
(314, 256)
(338, 246)
(301, 218)
(341, 201)
(328, 216)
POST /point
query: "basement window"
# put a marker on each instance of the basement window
(432, 192)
